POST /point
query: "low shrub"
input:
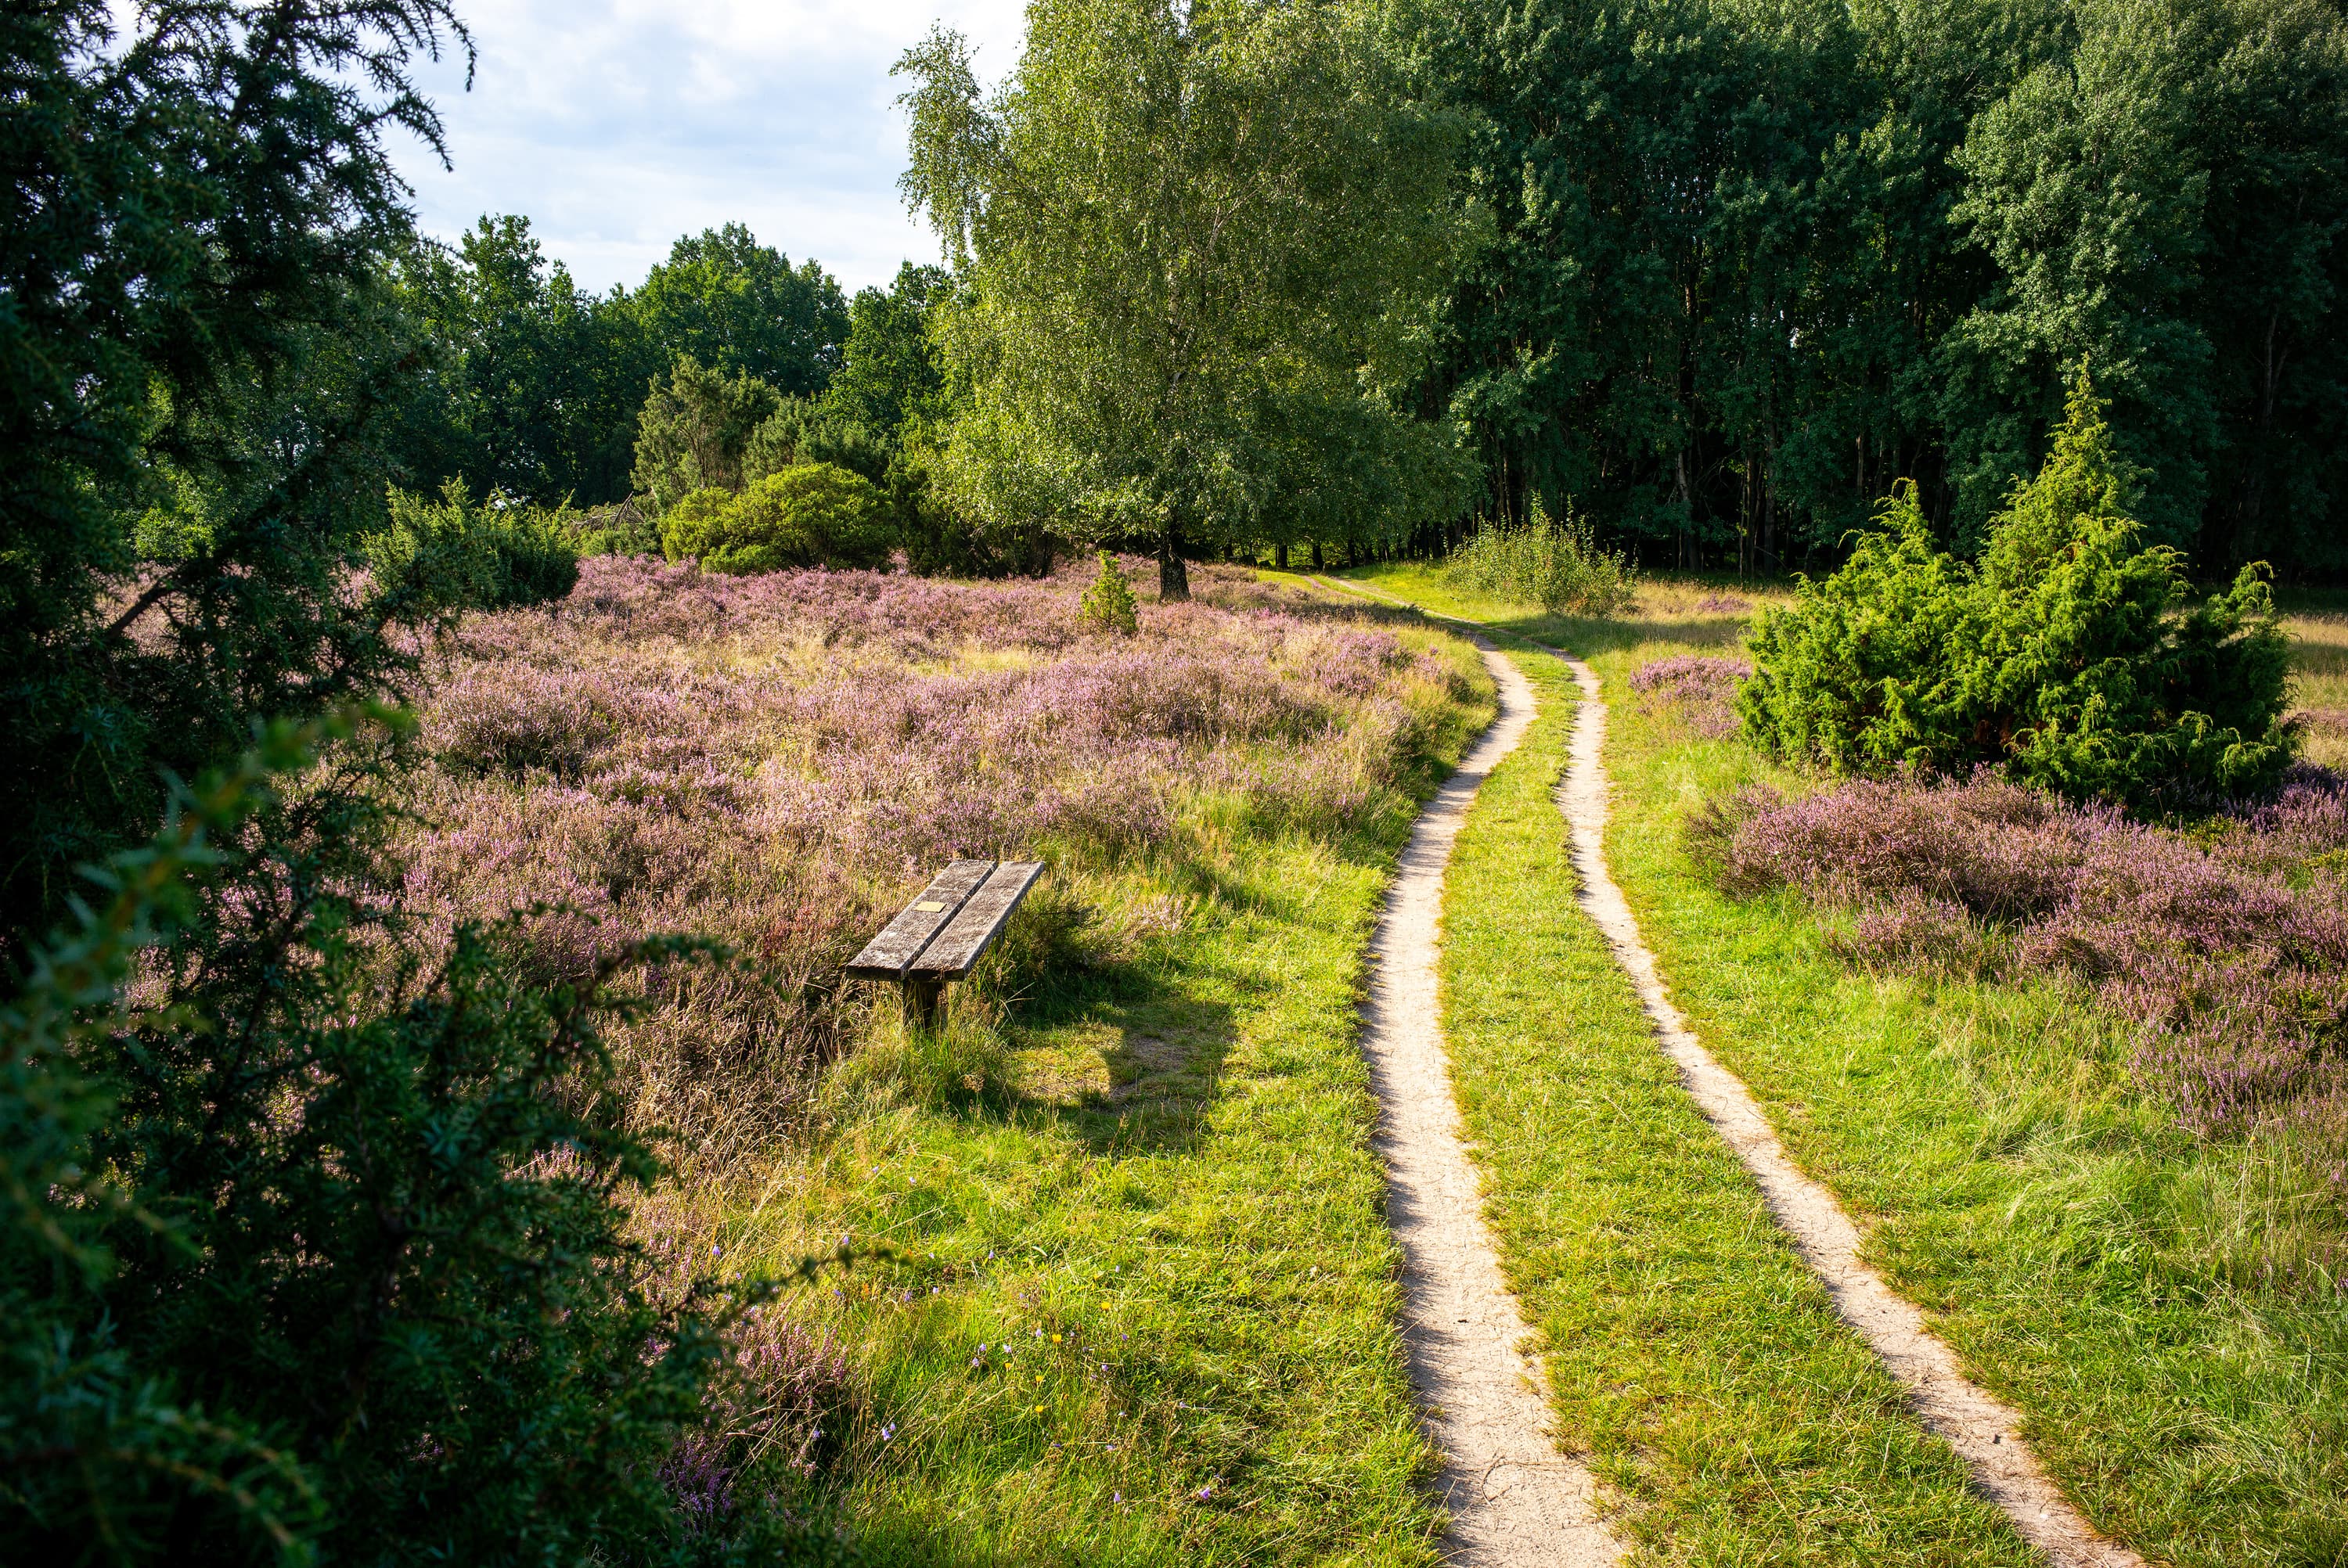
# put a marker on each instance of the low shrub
(2068, 652)
(1701, 690)
(1556, 565)
(1110, 604)
(489, 555)
(809, 515)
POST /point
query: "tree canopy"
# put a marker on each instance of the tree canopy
(1193, 242)
(1751, 264)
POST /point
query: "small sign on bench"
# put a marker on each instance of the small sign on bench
(940, 935)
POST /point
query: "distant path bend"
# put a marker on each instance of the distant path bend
(1515, 1499)
(1984, 1430)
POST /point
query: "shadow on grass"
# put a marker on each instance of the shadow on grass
(1160, 1033)
(1582, 635)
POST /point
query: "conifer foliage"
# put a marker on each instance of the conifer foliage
(2069, 652)
(1108, 603)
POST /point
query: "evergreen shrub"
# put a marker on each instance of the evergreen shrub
(809, 515)
(313, 1246)
(1108, 603)
(2069, 654)
(487, 556)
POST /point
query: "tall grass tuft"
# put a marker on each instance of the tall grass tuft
(1552, 563)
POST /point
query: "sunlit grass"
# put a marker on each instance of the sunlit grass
(2318, 647)
(1136, 1301)
(1690, 1353)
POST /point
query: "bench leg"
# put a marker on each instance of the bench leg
(924, 1002)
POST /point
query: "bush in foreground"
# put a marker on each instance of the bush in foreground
(308, 1248)
(2067, 653)
(809, 515)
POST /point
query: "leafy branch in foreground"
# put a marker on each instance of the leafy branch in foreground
(312, 1247)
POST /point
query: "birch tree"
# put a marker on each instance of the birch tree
(1196, 244)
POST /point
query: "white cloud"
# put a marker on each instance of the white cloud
(615, 126)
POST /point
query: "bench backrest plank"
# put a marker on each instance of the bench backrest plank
(887, 956)
(951, 955)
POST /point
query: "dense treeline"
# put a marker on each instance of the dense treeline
(534, 384)
(1752, 261)
(1712, 273)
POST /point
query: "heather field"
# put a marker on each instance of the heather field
(2078, 1077)
(1122, 1290)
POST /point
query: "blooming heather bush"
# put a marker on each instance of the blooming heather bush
(1702, 691)
(2229, 955)
(784, 1397)
(780, 760)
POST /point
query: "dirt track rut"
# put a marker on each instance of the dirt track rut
(1514, 1499)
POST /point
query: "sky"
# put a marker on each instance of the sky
(614, 125)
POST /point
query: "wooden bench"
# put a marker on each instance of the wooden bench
(940, 936)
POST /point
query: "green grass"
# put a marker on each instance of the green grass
(2095, 1267)
(1150, 1175)
(1691, 1355)
(2319, 638)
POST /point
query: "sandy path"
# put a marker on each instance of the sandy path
(1982, 1429)
(1514, 1499)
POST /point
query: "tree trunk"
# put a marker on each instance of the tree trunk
(1173, 576)
(1316, 555)
(1280, 555)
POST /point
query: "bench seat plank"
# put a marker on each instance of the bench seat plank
(885, 956)
(954, 950)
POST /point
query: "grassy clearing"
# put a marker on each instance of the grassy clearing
(2318, 624)
(2104, 1272)
(1691, 1354)
(1141, 1304)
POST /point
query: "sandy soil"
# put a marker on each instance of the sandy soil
(1514, 1498)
